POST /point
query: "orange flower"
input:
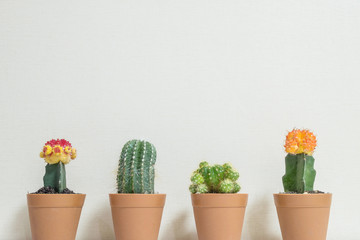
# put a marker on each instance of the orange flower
(300, 141)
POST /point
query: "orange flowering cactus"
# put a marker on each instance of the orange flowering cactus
(300, 173)
(300, 141)
(57, 153)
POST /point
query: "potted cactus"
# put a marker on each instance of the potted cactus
(218, 207)
(54, 210)
(303, 213)
(136, 208)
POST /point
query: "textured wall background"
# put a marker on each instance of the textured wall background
(203, 80)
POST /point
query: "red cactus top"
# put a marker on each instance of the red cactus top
(58, 150)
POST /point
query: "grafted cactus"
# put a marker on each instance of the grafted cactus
(136, 171)
(300, 173)
(57, 153)
(214, 179)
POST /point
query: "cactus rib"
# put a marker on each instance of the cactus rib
(300, 173)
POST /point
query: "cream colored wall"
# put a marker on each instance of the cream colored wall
(203, 80)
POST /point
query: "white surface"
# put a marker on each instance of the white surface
(203, 80)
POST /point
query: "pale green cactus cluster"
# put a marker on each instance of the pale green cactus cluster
(214, 179)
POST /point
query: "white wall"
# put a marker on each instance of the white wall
(203, 80)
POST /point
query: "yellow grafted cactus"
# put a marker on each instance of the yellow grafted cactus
(57, 153)
(58, 150)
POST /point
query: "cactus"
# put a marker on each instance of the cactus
(57, 153)
(136, 171)
(55, 176)
(300, 173)
(214, 179)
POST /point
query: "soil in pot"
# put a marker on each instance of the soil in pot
(50, 190)
(309, 192)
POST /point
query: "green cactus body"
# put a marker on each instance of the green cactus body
(136, 170)
(212, 175)
(300, 173)
(197, 178)
(226, 186)
(231, 174)
(202, 188)
(55, 176)
(214, 179)
(203, 164)
(193, 188)
(236, 187)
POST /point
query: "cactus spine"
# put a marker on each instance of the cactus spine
(300, 173)
(136, 171)
(55, 176)
(214, 179)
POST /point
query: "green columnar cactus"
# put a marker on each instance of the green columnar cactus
(136, 171)
(214, 179)
(300, 173)
(55, 176)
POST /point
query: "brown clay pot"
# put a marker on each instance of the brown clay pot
(219, 216)
(303, 216)
(54, 216)
(137, 216)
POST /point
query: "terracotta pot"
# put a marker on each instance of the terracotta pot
(303, 216)
(137, 216)
(54, 216)
(219, 216)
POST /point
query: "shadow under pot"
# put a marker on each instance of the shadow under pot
(303, 216)
(219, 216)
(137, 216)
(54, 216)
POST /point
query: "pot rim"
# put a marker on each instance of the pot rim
(55, 194)
(55, 200)
(135, 200)
(302, 194)
(218, 194)
(318, 200)
(137, 194)
(220, 200)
